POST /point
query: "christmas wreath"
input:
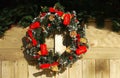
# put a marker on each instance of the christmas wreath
(48, 24)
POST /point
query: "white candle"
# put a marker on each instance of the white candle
(59, 47)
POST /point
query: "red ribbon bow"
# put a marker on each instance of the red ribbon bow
(81, 50)
(35, 25)
(66, 20)
(43, 49)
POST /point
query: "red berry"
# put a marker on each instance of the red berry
(70, 57)
(49, 25)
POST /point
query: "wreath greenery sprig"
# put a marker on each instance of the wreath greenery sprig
(47, 24)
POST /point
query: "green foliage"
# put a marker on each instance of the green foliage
(83, 16)
(25, 21)
(59, 6)
(44, 9)
(25, 11)
(22, 15)
(116, 25)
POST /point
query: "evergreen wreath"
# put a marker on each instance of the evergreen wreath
(50, 22)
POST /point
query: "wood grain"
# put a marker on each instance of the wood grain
(102, 68)
(33, 72)
(63, 75)
(8, 69)
(115, 68)
(21, 69)
(0, 69)
(11, 54)
(76, 70)
(89, 68)
(93, 53)
(102, 53)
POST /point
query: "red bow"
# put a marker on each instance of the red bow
(44, 66)
(35, 25)
(60, 13)
(34, 42)
(52, 10)
(81, 50)
(66, 20)
(43, 49)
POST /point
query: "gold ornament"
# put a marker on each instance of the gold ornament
(39, 52)
(43, 27)
(63, 16)
(51, 17)
(83, 40)
(54, 68)
(68, 49)
(73, 33)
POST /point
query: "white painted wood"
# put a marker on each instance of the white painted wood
(88, 68)
(102, 53)
(93, 53)
(33, 72)
(21, 69)
(59, 47)
(0, 69)
(8, 69)
(115, 68)
(63, 75)
(76, 70)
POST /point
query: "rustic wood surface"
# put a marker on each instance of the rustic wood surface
(93, 53)
(84, 68)
(96, 63)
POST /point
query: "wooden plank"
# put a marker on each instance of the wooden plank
(0, 69)
(63, 74)
(115, 68)
(76, 70)
(33, 72)
(21, 69)
(89, 68)
(8, 69)
(102, 68)
(102, 53)
(10, 53)
(38, 73)
(93, 53)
